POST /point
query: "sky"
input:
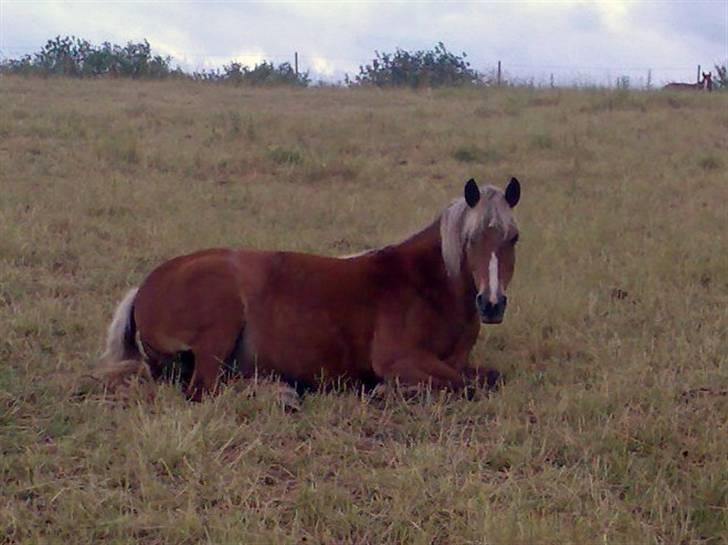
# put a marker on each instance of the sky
(585, 41)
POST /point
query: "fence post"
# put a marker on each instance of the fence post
(498, 80)
(295, 62)
(697, 79)
(649, 79)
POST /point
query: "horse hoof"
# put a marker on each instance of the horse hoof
(492, 380)
(379, 392)
(488, 380)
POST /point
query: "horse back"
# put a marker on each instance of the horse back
(683, 87)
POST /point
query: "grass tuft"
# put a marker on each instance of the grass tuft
(710, 162)
(285, 156)
(474, 154)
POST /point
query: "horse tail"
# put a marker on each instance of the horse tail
(122, 357)
(120, 341)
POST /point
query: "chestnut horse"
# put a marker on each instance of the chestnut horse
(410, 311)
(705, 85)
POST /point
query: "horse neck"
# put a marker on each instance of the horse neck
(422, 252)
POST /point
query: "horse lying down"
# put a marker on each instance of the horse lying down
(408, 312)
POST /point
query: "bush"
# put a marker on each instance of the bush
(263, 74)
(721, 77)
(75, 57)
(434, 68)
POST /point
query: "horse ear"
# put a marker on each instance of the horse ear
(513, 192)
(472, 193)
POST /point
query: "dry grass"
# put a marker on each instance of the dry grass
(612, 426)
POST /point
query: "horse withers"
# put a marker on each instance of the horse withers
(409, 311)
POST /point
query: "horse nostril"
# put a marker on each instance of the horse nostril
(488, 309)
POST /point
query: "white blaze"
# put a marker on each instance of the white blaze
(493, 278)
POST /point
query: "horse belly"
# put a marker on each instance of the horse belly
(305, 345)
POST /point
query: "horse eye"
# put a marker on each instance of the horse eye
(514, 240)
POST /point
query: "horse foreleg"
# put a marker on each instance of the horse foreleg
(478, 378)
(460, 355)
(419, 367)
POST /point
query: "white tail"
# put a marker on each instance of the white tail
(120, 343)
(122, 360)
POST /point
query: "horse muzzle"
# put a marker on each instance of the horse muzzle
(491, 313)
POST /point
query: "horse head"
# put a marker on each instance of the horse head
(707, 81)
(490, 245)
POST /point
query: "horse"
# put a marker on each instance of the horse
(705, 85)
(409, 312)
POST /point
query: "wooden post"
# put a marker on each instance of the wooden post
(698, 78)
(295, 62)
(498, 79)
(649, 79)
(552, 80)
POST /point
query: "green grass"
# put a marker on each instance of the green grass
(473, 154)
(612, 425)
(283, 156)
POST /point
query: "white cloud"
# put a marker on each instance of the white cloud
(250, 57)
(320, 65)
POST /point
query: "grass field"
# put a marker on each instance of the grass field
(613, 424)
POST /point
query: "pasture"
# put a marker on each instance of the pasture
(611, 427)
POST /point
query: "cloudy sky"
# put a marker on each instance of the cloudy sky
(586, 40)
